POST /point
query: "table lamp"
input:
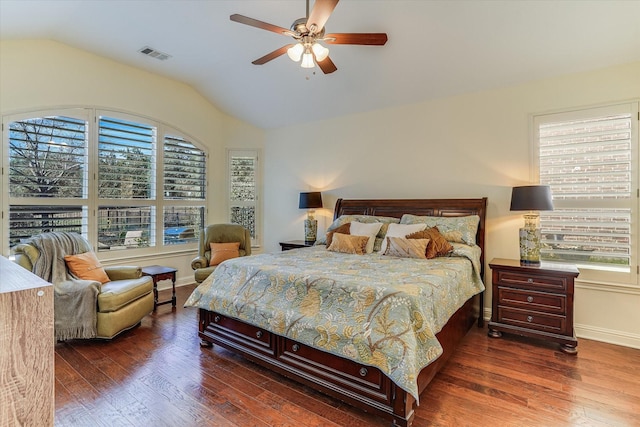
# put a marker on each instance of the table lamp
(532, 198)
(310, 201)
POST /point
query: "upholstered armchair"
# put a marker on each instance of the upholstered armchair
(119, 304)
(218, 233)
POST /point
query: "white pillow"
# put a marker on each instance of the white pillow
(400, 230)
(369, 230)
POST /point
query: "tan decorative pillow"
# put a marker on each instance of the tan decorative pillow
(343, 229)
(406, 248)
(223, 251)
(454, 236)
(87, 267)
(438, 245)
(347, 244)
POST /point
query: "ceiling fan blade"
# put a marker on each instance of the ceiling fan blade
(272, 55)
(320, 13)
(259, 24)
(377, 39)
(327, 66)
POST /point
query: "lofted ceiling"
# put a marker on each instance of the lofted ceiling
(435, 48)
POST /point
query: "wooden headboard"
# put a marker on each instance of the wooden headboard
(430, 207)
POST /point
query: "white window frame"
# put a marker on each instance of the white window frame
(83, 202)
(91, 201)
(256, 154)
(589, 273)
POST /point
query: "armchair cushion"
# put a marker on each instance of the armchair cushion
(118, 293)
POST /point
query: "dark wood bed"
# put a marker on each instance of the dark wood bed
(362, 386)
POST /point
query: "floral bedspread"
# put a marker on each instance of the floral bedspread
(377, 310)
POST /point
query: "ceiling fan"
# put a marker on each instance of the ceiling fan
(308, 32)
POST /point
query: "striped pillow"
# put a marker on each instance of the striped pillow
(348, 244)
(406, 248)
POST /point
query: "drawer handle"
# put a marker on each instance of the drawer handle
(529, 299)
(363, 372)
(529, 318)
(216, 319)
(259, 334)
(530, 280)
(295, 347)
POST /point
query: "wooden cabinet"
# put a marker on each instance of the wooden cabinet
(533, 301)
(26, 348)
(293, 244)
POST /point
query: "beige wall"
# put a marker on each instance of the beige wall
(472, 145)
(41, 74)
(466, 146)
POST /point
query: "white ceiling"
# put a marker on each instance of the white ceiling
(435, 48)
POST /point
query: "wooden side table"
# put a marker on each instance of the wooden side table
(158, 273)
(293, 244)
(534, 301)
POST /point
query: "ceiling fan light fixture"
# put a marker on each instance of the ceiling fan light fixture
(307, 32)
(295, 52)
(320, 51)
(307, 59)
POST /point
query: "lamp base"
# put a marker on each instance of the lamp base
(529, 246)
(310, 230)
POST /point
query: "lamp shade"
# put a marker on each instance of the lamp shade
(311, 200)
(531, 198)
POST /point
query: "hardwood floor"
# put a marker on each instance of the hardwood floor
(157, 375)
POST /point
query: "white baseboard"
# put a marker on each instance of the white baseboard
(610, 336)
(166, 284)
(487, 314)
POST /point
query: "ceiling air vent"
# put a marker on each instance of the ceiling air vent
(149, 51)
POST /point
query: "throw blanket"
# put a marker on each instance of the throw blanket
(74, 300)
(377, 310)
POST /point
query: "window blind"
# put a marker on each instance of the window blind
(588, 163)
(126, 156)
(243, 170)
(48, 157)
(184, 169)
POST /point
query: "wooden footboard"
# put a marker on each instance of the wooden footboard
(362, 386)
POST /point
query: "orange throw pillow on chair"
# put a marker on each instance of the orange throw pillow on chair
(87, 267)
(223, 251)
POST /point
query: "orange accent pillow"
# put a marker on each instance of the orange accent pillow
(223, 251)
(438, 245)
(343, 229)
(87, 267)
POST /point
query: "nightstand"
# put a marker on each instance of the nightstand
(293, 244)
(534, 301)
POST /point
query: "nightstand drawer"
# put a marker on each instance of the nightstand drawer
(538, 282)
(532, 300)
(532, 320)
